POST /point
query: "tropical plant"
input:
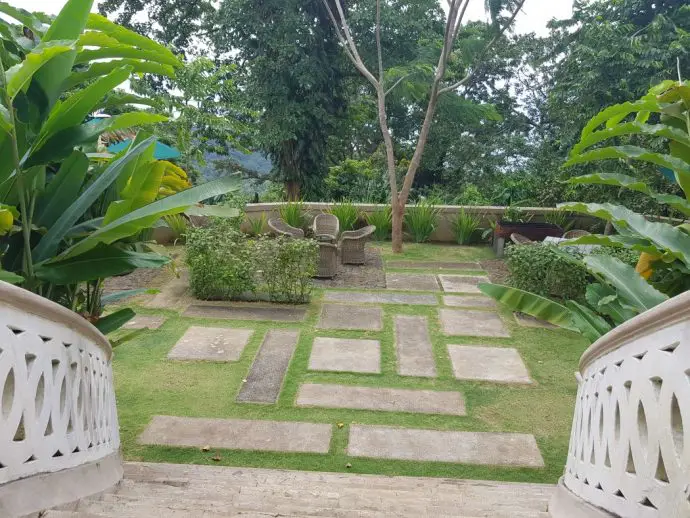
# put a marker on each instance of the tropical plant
(560, 218)
(257, 225)
(294, 214)
(421, 220)
(178, 224)
(465, 226)
(382, 219)
(515, 214)
(76, 214)
(347, 213)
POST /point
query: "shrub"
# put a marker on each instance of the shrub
(257, 225)
(382, 219)
(177, 223)
(221, 262)
(465, 226)
(224, 264)
(288, 267)
(471, 196)
(293, 214)
(347, 214)
(421, 220)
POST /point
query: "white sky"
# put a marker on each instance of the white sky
(533, 18)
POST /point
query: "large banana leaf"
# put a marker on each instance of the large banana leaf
(62, 188)
(19, 76)
(99, 263)
(50, 242)
(631, 128)
(531, 304)
(605, 300)
(24, 17)
(618, 112)
(631, 287)
(102, 68)
(124, 51)
(615, 241)
(9, 277)
(591, 325)
(114, 321)
(666, 237)
(146, 216)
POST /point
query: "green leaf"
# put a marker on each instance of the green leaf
(63, 189)
(112, 298)
(218, 211)
(605, 300)
(5, 120)
(11, 278)
(98, 263)
(591, 325)
(115, 320)
(19, 76)
(49, 243)
(666, 237)
(615, 241)
(631, 287)
(24, 17)
(116, 99)
(529, 303)
(631, 128)
(125, 51)
(620, 111)
(146, 216)
(102, 68)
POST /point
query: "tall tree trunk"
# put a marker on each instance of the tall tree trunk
(398, 213)
(292, 190)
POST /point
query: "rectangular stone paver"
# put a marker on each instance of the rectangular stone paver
(266, 375)
(433, 265)
(411, 281)
(469, 301)
(338, 316)
(468, 322)
(345, 355)
(145, 322)
(363, 297)
(497, 364)
(384, 399)
(240, 312)
(211, 343)
(238, 434)
(461, 283)
(413, 347)
(494, 449)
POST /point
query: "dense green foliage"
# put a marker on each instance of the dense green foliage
(421, 220)
(382, 220)
(225, 264)
(347, 213)
(294, 214)
(465, 227)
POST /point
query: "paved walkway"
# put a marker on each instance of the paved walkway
(188, 491)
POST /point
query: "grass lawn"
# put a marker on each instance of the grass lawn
(148, 384)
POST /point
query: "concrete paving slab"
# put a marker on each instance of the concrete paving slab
(211, 343)
(461, 283)
(145, 322)
(469, 301)
(345, 355)
(411, 281)
(339, 316)
(266, 375)
(468, 322)
(497, 364)
(383, 399)
(486, 448)
(230, 311)
(238, 434)
(363, 297)
(433, 265)
(413, 346)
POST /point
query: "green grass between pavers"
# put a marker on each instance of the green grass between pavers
(435, 252)
(148, 384)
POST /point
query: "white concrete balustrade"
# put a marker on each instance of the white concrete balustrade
(57, 403)
(629, 449)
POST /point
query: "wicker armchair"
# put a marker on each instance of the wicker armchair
(572, 234)
(326, 228)
(280, 228)
(352, 244)
(328, 260)
(519, 239)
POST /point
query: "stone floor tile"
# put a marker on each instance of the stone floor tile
(211, 343)
(461, 283)
(233, 311)
(413, 346)
(468, 322)
(345, 355)
(370, 297)
(145, 322)
(469, 301)
(497, 364)
(339, 316)
(433, 265)
(411, 281)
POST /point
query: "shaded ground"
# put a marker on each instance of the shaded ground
(496, 270)
(369, 275)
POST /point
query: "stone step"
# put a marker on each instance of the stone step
(413, 347)
(170, 490)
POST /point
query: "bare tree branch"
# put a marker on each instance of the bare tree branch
(400, 80)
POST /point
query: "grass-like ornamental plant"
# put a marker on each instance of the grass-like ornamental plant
(421, 220)
(382, 219)
(258, 225)
(465, 227)
(294, 214)
(347, 213)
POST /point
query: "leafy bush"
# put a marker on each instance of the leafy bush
(382, 219)
(347, 214)
(221, 261)
(294, 214)
(225, 264)
(421, 220)
(514, 214)
(465, 226)
(471, 196)
(288, 267)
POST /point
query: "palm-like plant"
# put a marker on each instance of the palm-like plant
(620, 292)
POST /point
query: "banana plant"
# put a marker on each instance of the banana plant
(68, 218)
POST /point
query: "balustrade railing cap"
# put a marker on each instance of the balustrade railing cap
(28, 302)
(665, 314)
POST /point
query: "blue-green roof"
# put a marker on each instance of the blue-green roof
(162, 152)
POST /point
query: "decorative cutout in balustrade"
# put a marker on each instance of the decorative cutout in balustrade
(630, 442)
(57, 406)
